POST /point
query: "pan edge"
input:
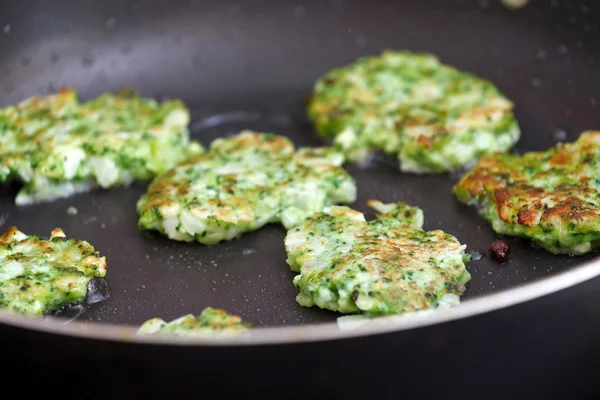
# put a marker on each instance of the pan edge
(317, 332)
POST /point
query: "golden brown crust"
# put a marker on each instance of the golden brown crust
(9, 235)
(548, 195)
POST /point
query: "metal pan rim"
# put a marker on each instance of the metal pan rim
(316, 332)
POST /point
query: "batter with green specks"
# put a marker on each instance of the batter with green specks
(241, 184)
(57, 146)
(550, 197)
(432, 116)
(388, 265)
(212, 322)
(39, 277)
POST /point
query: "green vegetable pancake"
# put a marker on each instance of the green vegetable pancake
(242, 183)
(58, 147)
(38, 277)
(387, 265)
(434, 117)
(551, 197)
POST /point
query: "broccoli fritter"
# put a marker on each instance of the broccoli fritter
(387, 265)
(550, 197)
(58, 147)
(39, 277)
(434, 117)
(242, 183)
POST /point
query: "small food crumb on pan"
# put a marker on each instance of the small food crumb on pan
(499, 250)
(515, 4)
(212, 322)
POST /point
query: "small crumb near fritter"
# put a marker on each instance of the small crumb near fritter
(515, 4)
(212, 322)
(72, 210)
(499, 250)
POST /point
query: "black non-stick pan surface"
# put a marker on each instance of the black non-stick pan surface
(251, 65)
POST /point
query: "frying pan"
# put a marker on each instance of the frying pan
(526, 328)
